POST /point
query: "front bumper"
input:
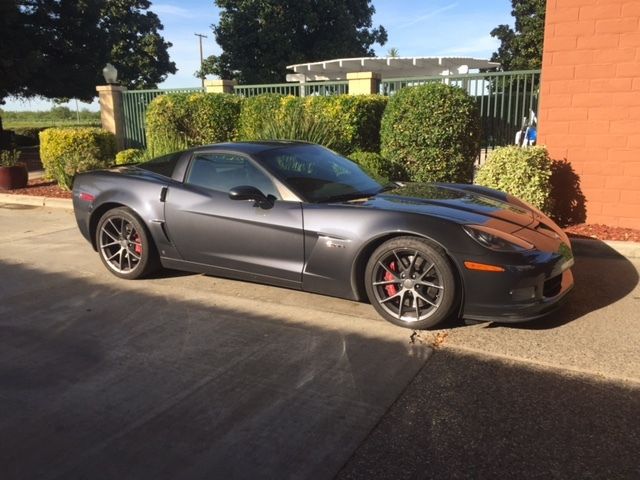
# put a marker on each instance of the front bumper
(514, 312)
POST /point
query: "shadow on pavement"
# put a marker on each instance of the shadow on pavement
(112, 380)
(118, 380)
(465, 416)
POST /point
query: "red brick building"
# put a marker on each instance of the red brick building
(590, 102)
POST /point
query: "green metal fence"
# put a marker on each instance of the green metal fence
(253, 90)
(295, 89)
(135, 103)
(326, 88)
(505, 99)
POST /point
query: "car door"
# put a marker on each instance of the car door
(238, 237)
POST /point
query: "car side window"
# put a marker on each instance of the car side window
(223, 171)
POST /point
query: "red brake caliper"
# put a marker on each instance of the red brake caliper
(391, 289)
(138, 245)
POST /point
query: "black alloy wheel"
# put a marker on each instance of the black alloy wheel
(410, 283)
(124, 245)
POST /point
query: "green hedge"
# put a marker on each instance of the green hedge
(351, 122)
(434, 131)
(128, 156)
(378, 166)
(66, 151)
(522, 172)
(189, 119)
(256, 113)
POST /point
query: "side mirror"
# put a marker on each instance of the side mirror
(247, 192)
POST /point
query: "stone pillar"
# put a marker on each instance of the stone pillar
(363, 83)
(219, 86)
(112, 112)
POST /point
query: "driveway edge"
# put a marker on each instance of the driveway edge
(64, 203)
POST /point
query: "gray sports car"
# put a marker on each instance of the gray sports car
(298, 215)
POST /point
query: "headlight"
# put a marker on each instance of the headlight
(496, 239)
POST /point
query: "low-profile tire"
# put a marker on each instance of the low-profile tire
(125, 246)
(410, 283)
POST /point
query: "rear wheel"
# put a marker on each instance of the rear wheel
(124, 245)
(410, 283)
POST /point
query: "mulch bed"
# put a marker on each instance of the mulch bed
(44, 188)
(603, 232)
(41, 188)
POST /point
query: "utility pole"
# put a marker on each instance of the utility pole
(200, 36)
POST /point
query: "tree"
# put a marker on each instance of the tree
(138, 50)
(521, 48)
(57, 48)
(393, 52)
(260, 38)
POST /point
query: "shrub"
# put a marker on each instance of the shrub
(355, 119)
(296, 124)
(522, 172)
(66, 151)
(9, 158)
(191, 119)
(255, 112)
(130, 155)
(378, 166)
(348, 123)
(434, 131)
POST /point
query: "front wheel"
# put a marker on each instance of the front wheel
(124, 245)
(410, 283)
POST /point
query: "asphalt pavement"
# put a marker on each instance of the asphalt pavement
(189, 376)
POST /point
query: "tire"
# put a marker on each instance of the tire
(410, 283)
(125, 246)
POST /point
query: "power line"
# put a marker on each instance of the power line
(200, 37)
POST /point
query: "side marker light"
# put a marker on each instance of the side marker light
(483, 267)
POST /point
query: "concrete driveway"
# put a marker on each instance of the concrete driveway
(187, 376)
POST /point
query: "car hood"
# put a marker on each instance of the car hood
(451, 201)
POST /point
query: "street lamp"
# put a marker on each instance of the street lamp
(110, 74)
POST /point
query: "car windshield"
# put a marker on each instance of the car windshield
(319, 175)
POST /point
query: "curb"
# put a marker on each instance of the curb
(65, 203)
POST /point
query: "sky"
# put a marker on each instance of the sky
(415, 27)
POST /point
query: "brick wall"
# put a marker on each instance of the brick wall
(590, 102)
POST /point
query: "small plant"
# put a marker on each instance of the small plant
(350, 122)
(9, 158)
(522, 172)
(297, 125)
(129, 156)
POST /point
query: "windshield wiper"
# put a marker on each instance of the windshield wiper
(347, 196)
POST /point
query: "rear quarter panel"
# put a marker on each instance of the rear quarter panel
(139, 193)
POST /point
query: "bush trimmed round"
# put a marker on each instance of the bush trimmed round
(433, 130)
(522, 172)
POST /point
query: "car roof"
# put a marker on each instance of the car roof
(251, 147)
